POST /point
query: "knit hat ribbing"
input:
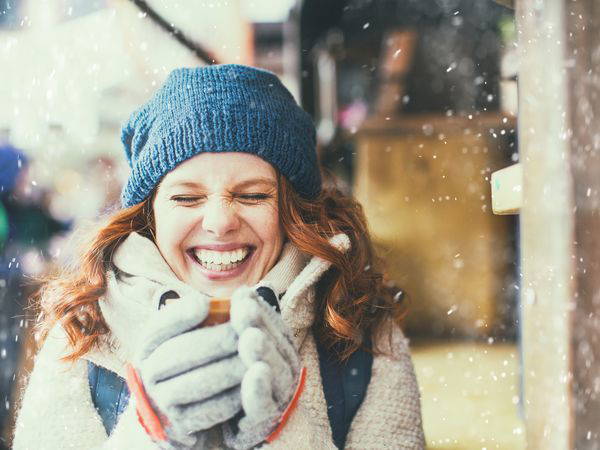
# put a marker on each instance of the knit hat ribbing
(221, 108)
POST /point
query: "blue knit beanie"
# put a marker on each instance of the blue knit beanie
(221, 108)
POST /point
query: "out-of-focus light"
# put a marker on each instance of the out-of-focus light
(266, 10)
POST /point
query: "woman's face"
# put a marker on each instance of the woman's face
(217, 222)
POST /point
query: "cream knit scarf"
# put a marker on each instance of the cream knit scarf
(144, 276)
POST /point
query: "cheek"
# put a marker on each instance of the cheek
(268, 228)
(171, 229)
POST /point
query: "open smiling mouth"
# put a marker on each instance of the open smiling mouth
(217, 261)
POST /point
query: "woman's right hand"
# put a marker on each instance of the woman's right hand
(191, 376)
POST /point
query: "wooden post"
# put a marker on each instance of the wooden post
(546, 224)
(559, 107)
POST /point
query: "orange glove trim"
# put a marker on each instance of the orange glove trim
(146, 414)
(288, 411)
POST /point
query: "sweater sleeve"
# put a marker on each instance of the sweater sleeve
(57, 410)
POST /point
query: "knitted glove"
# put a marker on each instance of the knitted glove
(186, 379)
(273, 378)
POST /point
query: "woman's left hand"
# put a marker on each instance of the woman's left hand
(273, 373)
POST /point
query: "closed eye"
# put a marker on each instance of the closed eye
(187, 199)
(253, 198)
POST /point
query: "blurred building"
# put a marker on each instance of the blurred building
(407, 100)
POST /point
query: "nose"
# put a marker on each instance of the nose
(219, 217)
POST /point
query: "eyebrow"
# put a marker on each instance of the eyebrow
(243, 184)
(260, 180)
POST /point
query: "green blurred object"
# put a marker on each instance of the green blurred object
(33, 225)
(508, 29)
(3, 225)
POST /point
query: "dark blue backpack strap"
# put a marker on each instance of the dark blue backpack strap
(110, 394)
(343, 399)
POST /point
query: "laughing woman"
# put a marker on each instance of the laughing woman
(224, 200)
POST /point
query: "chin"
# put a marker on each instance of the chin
(217, 289)
(221, 291)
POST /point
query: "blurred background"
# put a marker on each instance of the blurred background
(415, 103)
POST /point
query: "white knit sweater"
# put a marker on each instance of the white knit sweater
(57, 410)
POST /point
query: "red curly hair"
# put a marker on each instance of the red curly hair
(352, 300)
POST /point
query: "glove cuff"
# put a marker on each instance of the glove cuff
(243, 436)
(290, 408)
(146, 414)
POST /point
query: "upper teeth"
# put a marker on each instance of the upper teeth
(211, 256)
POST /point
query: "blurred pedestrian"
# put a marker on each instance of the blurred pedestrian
(25, 225)
(12, 164)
